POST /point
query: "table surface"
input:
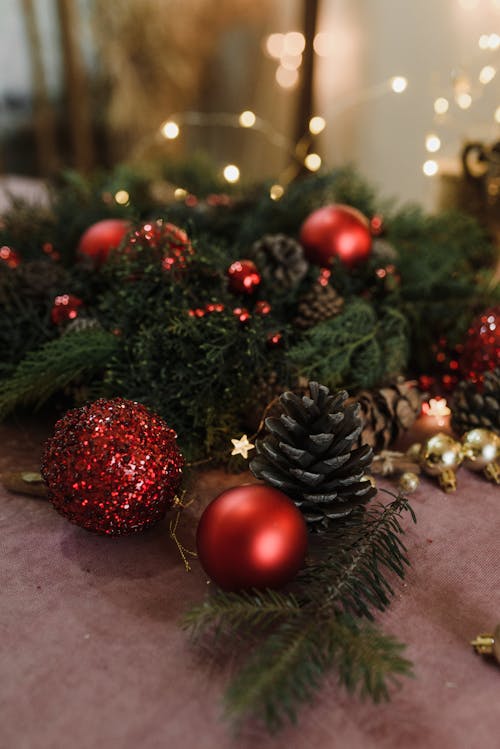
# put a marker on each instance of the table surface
(92, 653)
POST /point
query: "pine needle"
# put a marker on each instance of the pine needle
(55, 365)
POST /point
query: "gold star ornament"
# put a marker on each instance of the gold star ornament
(242, 446)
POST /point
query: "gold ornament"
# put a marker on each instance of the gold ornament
(480, 449)
(441, 456)
(488, 644)
(409, 482)
(242, 446)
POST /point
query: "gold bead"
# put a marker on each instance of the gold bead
(441, 456)
(488, 644)
(480, 449)
(409, 482)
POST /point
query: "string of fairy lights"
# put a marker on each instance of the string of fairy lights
(287, 49)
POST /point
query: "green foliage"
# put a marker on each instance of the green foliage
(355, 348)
(58, 363)
(200, 373)
(296, 637)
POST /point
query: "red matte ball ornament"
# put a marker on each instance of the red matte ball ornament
(99, 239)
(112, 467)
(243, 277)
(251, 536)
(336, 231)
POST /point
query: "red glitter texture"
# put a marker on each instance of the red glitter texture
(243, 277)
(112, 467)
(482, 345)
(9, 257)
(65, 308)
(171, 243)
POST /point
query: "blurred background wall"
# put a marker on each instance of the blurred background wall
(85, 83)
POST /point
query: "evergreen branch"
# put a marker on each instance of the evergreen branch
(289, 667)
(54, 366)
(223, 612)
(352, 576)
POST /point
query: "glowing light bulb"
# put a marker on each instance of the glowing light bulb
(494, 41)
(430, 168)
(464, 100)
(294, 43)
(276, 192)
(291, 62)
(180, 194)
(484, 41)
(247, 118)
(323, 44)
(231, 173)
(497, 115)
(286, 78)
(312, 161)
(432, 143)
(122, 197)
(316, 125)
(399, 84)
(487, 74)
(275, 45)
(441, 105)
(170, 130)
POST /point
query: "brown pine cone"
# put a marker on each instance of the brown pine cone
(320, 303)
(388, 412)
(477, 405)
(280, 259)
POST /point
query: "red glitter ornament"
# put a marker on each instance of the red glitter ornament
(377, 227)
(99, 239)
(262, 307)
(9, 256)
(251, 536)
(170, 243)
(336, 231)
(243, 277)
(65, 308)
(481, 350)
(275, 339)
(112, 467)
(242, 314)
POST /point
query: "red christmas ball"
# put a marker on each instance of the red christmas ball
(112, 467)
(243, 277)
(336, 231)
(482, 346)
(65, 308)
(251, 536)
(100, 238)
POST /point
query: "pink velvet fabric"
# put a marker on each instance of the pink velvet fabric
(92, 654)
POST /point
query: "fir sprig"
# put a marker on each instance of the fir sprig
(55, 365)
(298, 636)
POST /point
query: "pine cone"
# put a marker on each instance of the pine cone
(280, 259)
(477, 404)
(320, 303)
(308, 454)
(387, 413)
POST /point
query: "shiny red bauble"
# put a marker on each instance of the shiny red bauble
(99, 239)
(66, 307)
(251, 536)
(243, 277)
(481, 350)
(112, 467)
(336, 231)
